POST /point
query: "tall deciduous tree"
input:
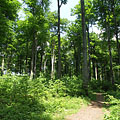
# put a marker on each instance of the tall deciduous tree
(85, 67)
(37, 11)
(8, 15)
(59, 44)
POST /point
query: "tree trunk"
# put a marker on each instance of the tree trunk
(45, 62)
(32, 63)
(110, 55)
(109, 46)
(93, 62)
(116, 33)
(59, 44)
(26, 69)
(96, 72)
(20, 65)
(85, 69)
(34, 49)
(52, 61)
(35, 58)
(3, 62)
(118, 46)
(41, 59)
(89, 52)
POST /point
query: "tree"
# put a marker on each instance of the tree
(8, 12)
(85, 67)
(59, 44)
(37, 9)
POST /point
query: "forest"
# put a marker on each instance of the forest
(50, 67)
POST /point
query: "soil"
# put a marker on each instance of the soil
(94, 111)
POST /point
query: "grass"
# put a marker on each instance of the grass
(65, 106)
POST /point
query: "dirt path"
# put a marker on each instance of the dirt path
(92, 112)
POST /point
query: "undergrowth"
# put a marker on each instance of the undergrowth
(39, 99)
(113, 104)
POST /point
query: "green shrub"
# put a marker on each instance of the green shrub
(73, 85)
(114, 105)
(57, 88)
(19, 101)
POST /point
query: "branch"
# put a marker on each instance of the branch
(61, 4)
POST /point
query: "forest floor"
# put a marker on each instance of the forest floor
(94, 111)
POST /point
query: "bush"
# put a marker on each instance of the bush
(114, 105)
(73, 85)
(19, 99)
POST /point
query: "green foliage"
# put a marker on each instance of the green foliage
(38, 99)
(113, 101)
(73, 85)
(64, 1)
(18, 100)
(95, 84)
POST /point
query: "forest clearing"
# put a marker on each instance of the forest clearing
(55, 68)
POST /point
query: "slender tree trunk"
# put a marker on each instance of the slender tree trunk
(79, 57)
(45, 62)
(102, 73)
(34, 49)
(116, 33)
(78, 63)
(75, 60)
(118, 46)
(3, 62)
(89, 52)
(93, 62)
(26, 69)
(53, 61)
(59, 43)
(110, 55)
(66, 66)
(20, 65)
(96, 72)
(41, 61)
(109, 45)
(32, 63)
(85, 69)
(35, 58)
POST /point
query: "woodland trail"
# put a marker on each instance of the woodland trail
(93, 111)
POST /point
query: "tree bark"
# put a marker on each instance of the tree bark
(116, 33)
(53, 61)
(35, 58)
(41, 60)
(89, 52)
(3, 62)
(32, 63)
(59, 43)
(26, 69)
(110, 55)
(85, 69)
(93, 62)
(45, 62)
